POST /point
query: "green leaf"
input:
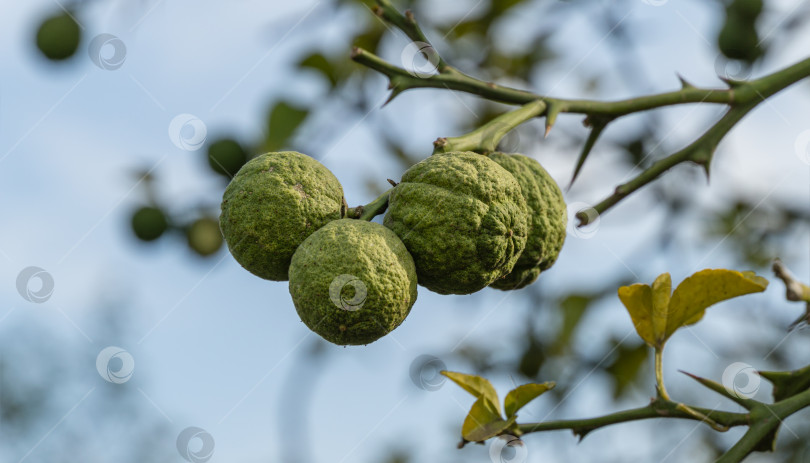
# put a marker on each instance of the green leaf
(477, 386)
(282, 122)
(625, 368)
(483, 422)
(657, 316)
(321, 64)
(518, 397)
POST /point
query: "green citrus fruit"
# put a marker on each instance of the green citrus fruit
(274, 203)
(548, 218)
(352, 281)
(463, 219)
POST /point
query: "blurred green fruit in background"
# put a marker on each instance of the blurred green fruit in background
(204, 237)
(58, 37)
(149, 223)
(226, 156)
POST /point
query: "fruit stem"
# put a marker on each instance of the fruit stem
(370, 210)
(485, 139)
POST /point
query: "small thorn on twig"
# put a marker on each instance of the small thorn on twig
(356, 51)
(548, 129)
(491, 84)
(378, 10)
(684, 83)
(395, 91)
(587, 122)
(732, 83)
(409, 16)
(393, 183)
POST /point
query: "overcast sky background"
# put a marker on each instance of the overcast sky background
(214, 346)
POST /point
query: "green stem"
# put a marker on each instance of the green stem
(658, 408)
(740, 96)
(485, 139)
(662, 392)
(765, 419)
(370, 210)
(700, 152)
(453, 79)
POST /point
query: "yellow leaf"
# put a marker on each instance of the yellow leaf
(661, 292)
(477, 386)
(483, 422)
(638, 301)
(657, 312)
(705, 288)
(518, 397)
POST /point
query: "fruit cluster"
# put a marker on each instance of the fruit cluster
(456, 223)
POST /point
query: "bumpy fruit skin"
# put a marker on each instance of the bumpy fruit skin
(273, 204)
(548, 217)
(463, 219)
(352, 281)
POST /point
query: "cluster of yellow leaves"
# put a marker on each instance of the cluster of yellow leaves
(657, 311)
(485, 419)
